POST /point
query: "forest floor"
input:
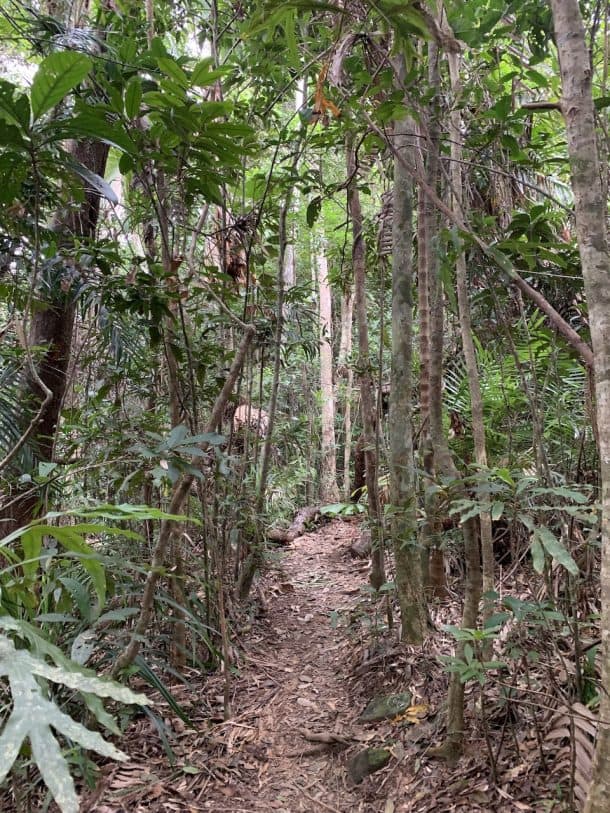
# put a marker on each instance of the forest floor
(307, 663)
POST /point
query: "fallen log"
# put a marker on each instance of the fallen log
(284, 536)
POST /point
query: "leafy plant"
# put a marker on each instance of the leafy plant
(472, 666)
(343, 509)
(538, 508)
(34, 716)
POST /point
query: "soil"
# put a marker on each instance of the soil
(314, 651)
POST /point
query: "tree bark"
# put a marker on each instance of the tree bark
(367, 398)
(329, 492)
(468, 348)
(591, 213)
(52, 326)
(431, 296)
(345, 370)
(407, 555)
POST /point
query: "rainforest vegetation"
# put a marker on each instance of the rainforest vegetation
(304, 405)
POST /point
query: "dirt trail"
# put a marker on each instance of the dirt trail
(299, 677)
(295, 684)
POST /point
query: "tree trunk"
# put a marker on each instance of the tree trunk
(591, 212)
(367, 398)
(409, 580)
(255, 557)
(346, 371)
(431, 295)
(468, 348)
(52, 326)
(329, 492)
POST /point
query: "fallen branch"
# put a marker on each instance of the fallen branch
(298, 527)
(324, 737)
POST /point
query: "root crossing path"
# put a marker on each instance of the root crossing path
(293, 727)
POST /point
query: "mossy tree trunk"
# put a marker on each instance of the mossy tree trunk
(409, 579)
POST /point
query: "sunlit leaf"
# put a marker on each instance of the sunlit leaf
(58, 74)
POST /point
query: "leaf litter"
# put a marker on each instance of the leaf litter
(319, 651)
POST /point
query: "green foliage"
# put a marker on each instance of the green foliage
(541, 510)
(34, 715)
(171, 452)
(58, 74)
(471, 666)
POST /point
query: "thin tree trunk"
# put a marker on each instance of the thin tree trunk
(432, 362)
(364, 369)
(407, 555)
(503, 263)
(329, 492)
(468, 348)
(591, 212)
(168, 526)
(444, 465)
(255, 558)
(346, 371)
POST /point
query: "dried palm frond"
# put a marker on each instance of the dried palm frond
(571, 740)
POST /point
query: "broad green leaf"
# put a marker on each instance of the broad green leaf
(527, 521)
(203, 76)
(32, 545)
(70, 537)
(313, 210)
(10, 136)
(556, 550)
(123, 511)
(475, 511)
(93, 179)
(496, 620)
(57, 75)
(79, 593)
(497, 509)
(562, 491)
(333, 508)
(56, 618)
(121, 615)
(292, 50)
(91, 123)
(505, 476)
(133, 97)
(194, 451)
(525, 482)
(601, 102)
(14, 107)
(175, 437)
(171, 68)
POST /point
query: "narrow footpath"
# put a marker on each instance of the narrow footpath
(308, 661)
(294, 686)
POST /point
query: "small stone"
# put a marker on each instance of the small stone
(367, 762)
(384, 708)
